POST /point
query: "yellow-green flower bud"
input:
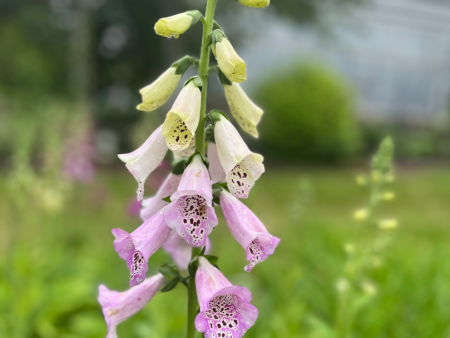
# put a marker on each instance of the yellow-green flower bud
(174, 26)
(388, 224)
(254, 3)
(156, 94)
(388, 196)
(246, 113)
(361, 214)
(229, 61)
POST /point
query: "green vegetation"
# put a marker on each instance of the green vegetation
(309, 113)
(51, 265)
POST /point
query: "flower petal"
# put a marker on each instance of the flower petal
(118, 306)
(145, 159)
(182, 120)
(245, 112)
(215, 168)
(152, 205)
(157, 93)
(247, 229)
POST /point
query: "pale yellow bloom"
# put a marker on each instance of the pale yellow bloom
(360, 215)
(182, 119)
(156, 94)
(255, 3)
(246, 113)
(173, 26)
(349, 248)
(229, 62)
(387, 224)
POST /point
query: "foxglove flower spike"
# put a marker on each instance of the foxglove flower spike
(247, 229)
(225, 310)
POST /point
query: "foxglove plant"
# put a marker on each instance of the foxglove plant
(212, 167)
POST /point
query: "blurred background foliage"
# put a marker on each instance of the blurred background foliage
(70, 72)
(303, 122)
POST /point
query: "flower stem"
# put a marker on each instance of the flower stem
(192, 302)
(200, 145)
(204, 73)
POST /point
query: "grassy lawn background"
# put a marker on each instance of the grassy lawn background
(51, 265)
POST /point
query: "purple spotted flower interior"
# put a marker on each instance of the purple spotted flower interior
(193, 213)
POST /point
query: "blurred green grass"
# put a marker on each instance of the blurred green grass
(51, 265)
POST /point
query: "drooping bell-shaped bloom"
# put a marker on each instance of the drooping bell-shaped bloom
(245, 112)
(174, 26)
(157, 93)
(254, 3)
(191, 213)
(181, 251)
(145, 159)
(247, 229)
(241, 166)
(119, 306)
(225, 310)
(182, 119)
(228, 60)
(215, 168)
(137, 247)
(152, 205)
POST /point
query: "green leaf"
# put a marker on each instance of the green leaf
(216, 200)
(169, 271)
(196, 16)
(215, 116)
(199, 153)
(192, 267)
(212, 259)
(223, 78)
(170, 285)
(167, 199)
(217, 36)
(203, 251)
(197, 82)
(217, 26)
(183, 64)
(209, 134)
(179, 165)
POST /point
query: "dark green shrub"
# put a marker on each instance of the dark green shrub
(309, 115)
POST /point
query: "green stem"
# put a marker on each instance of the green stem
(192, 302)
(204, 73)
(200, 145)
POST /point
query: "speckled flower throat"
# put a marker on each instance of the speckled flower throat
(212, 168)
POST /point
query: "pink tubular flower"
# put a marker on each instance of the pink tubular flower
(191, 212)
(180, 250)
(225, 310)
(247, 229)
(152, 205)
(241, 166)
(215, 168)
(118, 306)
(145, 159)
(137, 247)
